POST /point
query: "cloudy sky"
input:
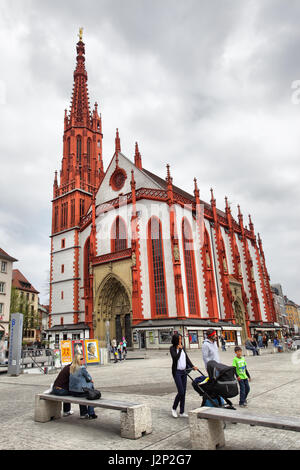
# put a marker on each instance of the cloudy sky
(210, 87)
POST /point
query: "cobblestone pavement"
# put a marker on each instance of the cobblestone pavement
(275, 389)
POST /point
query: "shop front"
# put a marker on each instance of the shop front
(157, 334)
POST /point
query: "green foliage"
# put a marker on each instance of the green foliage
(19, 303)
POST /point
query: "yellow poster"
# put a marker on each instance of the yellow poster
(66, 352)
(91, 351)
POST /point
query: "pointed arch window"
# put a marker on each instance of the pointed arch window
(157, 276)
(69, 146)
(89, 152)
(190, 268)
(118, 235)
(78, 149)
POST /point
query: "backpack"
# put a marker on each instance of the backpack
(223, 378)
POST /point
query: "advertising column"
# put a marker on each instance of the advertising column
(15, 344)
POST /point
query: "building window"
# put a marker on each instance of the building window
(62, 268)
(2, 287)
(62, 295)
(72, 211)
(89, 152)
(1, 309)
(118, 235)
(64, 215)
(193, 337)
(81, 207)
(165, 336)
(78, 151)
(32, 298)
(190, 268)
(156, 268)
(63, 243)
(56, 219)
(3, 266)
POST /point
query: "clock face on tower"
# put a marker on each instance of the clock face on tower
(117, 179)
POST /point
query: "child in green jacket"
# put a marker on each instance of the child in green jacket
(243, 375)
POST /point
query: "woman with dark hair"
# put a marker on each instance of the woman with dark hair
(181, 362)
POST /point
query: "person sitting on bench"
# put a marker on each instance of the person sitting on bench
(251, 344)
(78, 381)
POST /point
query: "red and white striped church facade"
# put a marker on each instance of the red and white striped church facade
(133, 255)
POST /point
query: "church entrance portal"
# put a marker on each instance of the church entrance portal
(113, 312)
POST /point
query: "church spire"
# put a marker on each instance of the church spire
(137, 157)
(80, 107)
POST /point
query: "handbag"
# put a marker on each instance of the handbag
(92, 394)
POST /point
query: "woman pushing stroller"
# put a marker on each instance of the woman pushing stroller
(180, 363)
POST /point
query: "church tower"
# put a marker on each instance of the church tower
(80, 175)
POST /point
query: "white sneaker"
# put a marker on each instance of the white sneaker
(68, 413)
(174, 413)
(183, 415)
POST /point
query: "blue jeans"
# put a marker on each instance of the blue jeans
(60, 392)
(180, 381)
(244, 390)
(84, 410)
(254, 350)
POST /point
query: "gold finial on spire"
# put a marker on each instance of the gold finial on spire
(80, 34)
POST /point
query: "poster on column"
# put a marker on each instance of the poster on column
(78, 347)
(66, 352)
(92, 351)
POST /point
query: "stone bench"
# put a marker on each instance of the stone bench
(135, 418)
(207, 425)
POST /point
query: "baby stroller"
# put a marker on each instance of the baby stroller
(218, 387)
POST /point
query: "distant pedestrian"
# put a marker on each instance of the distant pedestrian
(120, 350)
(223, 342)
(260, 341)
(114, 349)
(180, 363)
(2, 351)
(265, 340)
(124, 346)
(210, 350)
(243, 375)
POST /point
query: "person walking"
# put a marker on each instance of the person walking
(223, 342)
(61, 388)
(120, 350)
(114, 349)
(210, 350)
(124, 347)
(243, 375)
(180, 363)
(260, 341)
(79, 380)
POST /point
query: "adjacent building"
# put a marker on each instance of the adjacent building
(6, 267)
(292, 312)
(134, 255)
(25, 300)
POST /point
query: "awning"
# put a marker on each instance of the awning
(229, 328)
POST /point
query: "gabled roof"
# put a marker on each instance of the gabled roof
(20, 282)
(6, 256)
